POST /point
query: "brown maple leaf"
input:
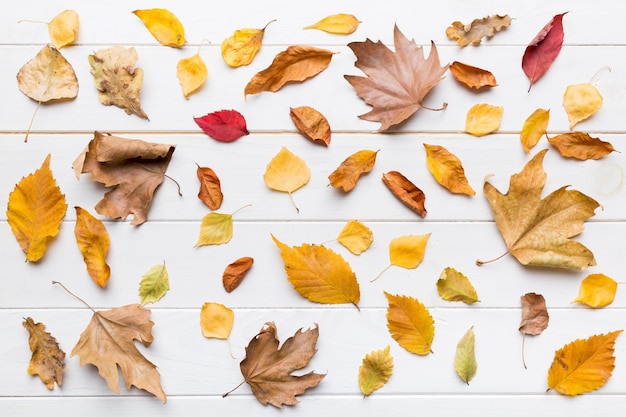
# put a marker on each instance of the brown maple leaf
(267, 369)
(397, 81)
(133, 167)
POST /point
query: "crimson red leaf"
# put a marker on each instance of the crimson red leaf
(223, 125)
(541, 51)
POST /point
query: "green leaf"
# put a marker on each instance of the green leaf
(154, 284)
(465, 359)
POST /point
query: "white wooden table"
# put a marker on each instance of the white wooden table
(196, 371)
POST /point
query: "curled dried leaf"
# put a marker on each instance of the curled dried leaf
(535, 315)
(474, 32)
(471, 76)
(350, 170)
(534, 127)
(93, 242)
(48, 360)
(48, 76)
(235, 273)
(580, 146)
(406, 191)
(447, 170)
(311, 124)
(192, 73)
(339, 24)
(210, 189)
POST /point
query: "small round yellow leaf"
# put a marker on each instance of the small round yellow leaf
(63, 28)
(596, 290)
(216, 320)
(192, 73)
(581, 101)
(483, 119)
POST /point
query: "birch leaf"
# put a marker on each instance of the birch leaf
(580, 146)
(375, 370)
(339, 24)
(597, 291)
(350, 170)
(474, 32)
(154, 284)
(192, 73)
(410, 324)
(453, 285)
(47, 77)
(534, 127)
(216, 228)
(356, 237)
(465, 363)
(286, 172)
(581, 101)
(242, 46)
(63, 28)
(216, 320)
(447, 170)
(48, 360)
(93, 242)
(163, 25)
(483, 119)
(408, 251)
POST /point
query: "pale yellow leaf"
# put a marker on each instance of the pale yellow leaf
(63, 28)
(216, 320)
(483, 119)
(534, 127)
(408, 251)
(581, 101)
(455, 286)
(192, 73)
(48, 76)
(465, 358)
(375, 370)
(163, 25)
(216, 228)
(410, 324)
(597, 291)
(339, 24)
(356, 237)
(154, 284)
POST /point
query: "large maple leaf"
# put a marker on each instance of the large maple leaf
(397, 81)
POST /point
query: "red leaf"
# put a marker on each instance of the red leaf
(223, 125)
(542, 50)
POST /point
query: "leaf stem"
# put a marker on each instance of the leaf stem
(32, 120)
(381, 272)
(240, 384)
(293, 202)
(175, 182)
(74, 295)
(32, 21)
(267, 24)
(523, 358)
(598, 71)
(202, 43)
(480, 263)
(240, 208)
(443, 106)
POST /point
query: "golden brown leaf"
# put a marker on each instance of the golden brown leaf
(406, 191)
(48, 360)
(192, 73)
(410, 324)
(581, 101)
(471, 76)
(597, 291)
(350, 170)
(534, 127)
(311, 124)
(210, 189)
(453, 285)
(154, 284)
(474, 32)
(287, 172)
(375, 370)
(482, 119)
(339, 24)
(47, 77)
(356, 237)
(580, 146)
(216, 320)
(236, 272)
(35, 211)
(583, 365)
(93, 242)
(465, 359)
(242, 46)
(163, 25)
(447, 170)
(63, 28)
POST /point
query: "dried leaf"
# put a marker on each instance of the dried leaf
(408, 251)
(410, 324)
(63, 28)
(93, 242)
(35, 210)
(242, 46)
(473, 77)
(210, 189)
(192, 73)
(581, 101)
(534, 128)
(581, 146)
(465, 359)
(537, 231)
(48, 77)
(319, 274)
(396, 82)
(447, 170)
(216, 228)
(216, 320)
(375, 371)
(133, 168)
(597, 291)
(583, 365)
(482, 119)
(453, 285)
(535, 315)
(311, 124)
(543, 49)
(406, 191)
(296, 63)
(286, 172)
(236, 272)
(48, 360)
(164, 26)
(223, 125)
(350, 170)
(339, 24)
(356, 237)
(479, 28)
(154, 284)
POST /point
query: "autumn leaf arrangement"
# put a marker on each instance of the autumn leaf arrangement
(134, 169)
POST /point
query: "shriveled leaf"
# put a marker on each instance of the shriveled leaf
(296, 63)
(471, 76)
(223, 125)
(350, 170)
(581, 101)
(93, 242)
(465, 363)
(164, 26)
(534, 128)
(581, 146)
(408, 251)
(242, 46)
(597, 291)
(396, 82)
(154, 284)
(48, 360)
(339, 24)
(410, 324)
(216, 228)
(286, 172)
(483, 119)
(535, 315)
(216, 320)
(447, 170)
(406, 191)
(117, 82)
(192, 73)
(356, 237)
(311, 124)
(453, 285)
(108, 343)
(375, 370)
(35, 210)
(474, 32)
(319, 274)
(63, 28)
(236, 272)
(48, 77)
(210, 189)
(583, 365)
(537, 231)
(543, 49)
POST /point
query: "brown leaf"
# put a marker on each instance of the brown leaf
(534, 314)
(210, 190)
(406, 191)
(311, 123)
(479, 28)
(236, 272)
(48, 360)
(580, 146)
(472, 77)
(348, 173)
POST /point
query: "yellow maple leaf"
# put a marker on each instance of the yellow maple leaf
(348, 173)
(339, 24)
(534, 127)
(154, 284)
(356, 237)
(447, 170)
(216, 320)
(63, 28)
(163, 25)
(482, 119)
(242, 46)
(35, 211)
(410, 324)
(596, 290)
(581, 101)
(465, 359)
(375, 370)
(455, 286)
(48, 360)
(287, 172)
(192, 73)
(93, 242)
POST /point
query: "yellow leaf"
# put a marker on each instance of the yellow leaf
(454, 286)
(375, 371)
(465, 358)
(216, 320)
(583, 365)
(356, 237)
(580, 146)
(93, 242)
(596, 290)
(163, 25)
(35, 211)
(408, 251)
(410, 324)
(48, 76)
(581, 101)
(483, 119)
(534, 127)
(348, 173)
(63, 28)
(241, 48)
(191, 73)
(48, 360)
(447, 170)
(216, 228)
(319, 274)
(339, 24)
(286, 172)
(154, 284)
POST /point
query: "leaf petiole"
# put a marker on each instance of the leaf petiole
(381, 272)
(480, 263)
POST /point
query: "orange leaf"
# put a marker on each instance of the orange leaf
(311, 123)
(236, 272)
(447, 170)
(534, 127)
(350, 170)
(93, 241)
(580, 146)
(472, 77)
(210, 190)
(410, 324)
(406, 191)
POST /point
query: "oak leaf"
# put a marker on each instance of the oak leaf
(410, 324)
(311, 124)
(134, 168)
(471, 76)
(534, 127)
(396, 82)
(474, 32)
(287, 172)
(581, 101)
(537, 231)
(597, 291)
(483, 119)
(210, 189)
(543, 49)
(223, 125)
(117, 82)
(580, 146)
(375, 370)
(216, 320)
(48, 360)
(338, 24)
(93, 242)
(583, 365)
(535, 317)
(465, 363)
(242, 46)
(154, 284)
(235, 272)
(356, 237)
(453, 285)
(192, 73)
(350, 170)
(447, 170)
(405, 191)
(63, 28)
(163, 25)
(35, 210)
